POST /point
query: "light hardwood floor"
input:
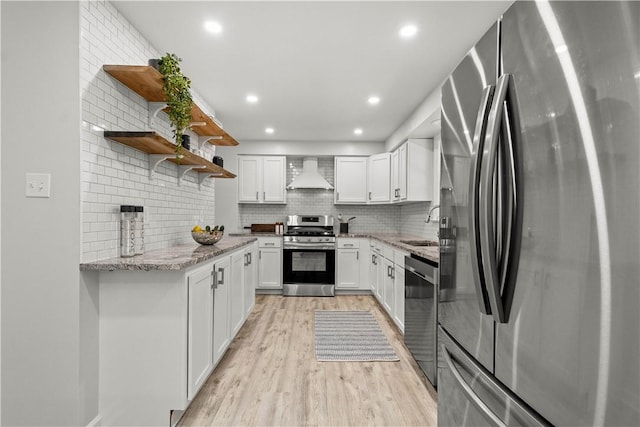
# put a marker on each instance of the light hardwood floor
(270, 376)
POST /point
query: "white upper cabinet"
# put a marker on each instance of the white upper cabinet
(262, 179)
(412, 171)
(350, 180)
(379, 177)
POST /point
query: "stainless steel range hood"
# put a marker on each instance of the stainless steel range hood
(309, 177)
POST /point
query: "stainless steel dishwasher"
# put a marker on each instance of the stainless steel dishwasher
(421, 313)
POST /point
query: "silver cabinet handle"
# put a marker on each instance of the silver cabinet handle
(214, 282)
(348, 244)
(468, 391)
(250, 258)
(221, 281)
(257, 196)
(357, 255)
(369, 195)
(393, 272)
(388, 271)
(269, 244)
(264, 195)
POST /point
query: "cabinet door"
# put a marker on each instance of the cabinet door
(379, 177)
(348, 269)
(200, 324)
(388, 295)
(221, 308)
(381, 273)
(350, 180)
(399, 297)
(236, 293)
(249, 179)
(269, 268)
(250, 278)
(402, 172)
(373, 272)
(274, 179)
(395, 175)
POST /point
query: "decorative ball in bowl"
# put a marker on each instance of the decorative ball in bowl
(207, 238)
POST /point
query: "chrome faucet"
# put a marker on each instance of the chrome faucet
(430, 212)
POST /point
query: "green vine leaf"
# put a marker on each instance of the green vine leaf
(176, 87)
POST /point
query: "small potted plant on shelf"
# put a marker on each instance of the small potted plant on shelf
(176, 87)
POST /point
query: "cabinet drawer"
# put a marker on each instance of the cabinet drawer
(348, 243)
(387, 252)
(398, 257)
(270, 242)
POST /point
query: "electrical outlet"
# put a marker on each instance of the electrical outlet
(38, 185)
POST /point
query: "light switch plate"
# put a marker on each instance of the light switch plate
(38, 185)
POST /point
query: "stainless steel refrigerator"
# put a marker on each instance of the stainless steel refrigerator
(540, 205)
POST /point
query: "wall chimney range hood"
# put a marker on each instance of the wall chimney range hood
(309, 177)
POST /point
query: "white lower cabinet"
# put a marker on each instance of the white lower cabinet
(236, 292)
(352, 264)
(250, 277)
(269, 263)
(161, 335)
(387, 279)
(398, 312)
(221, 336)
(200, 347)
(388, 291)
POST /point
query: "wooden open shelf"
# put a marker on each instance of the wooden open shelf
(146, 81)
(154, 143)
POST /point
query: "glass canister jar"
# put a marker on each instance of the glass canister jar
(127, 231)
(139, 230)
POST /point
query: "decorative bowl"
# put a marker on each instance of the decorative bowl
(205, 238)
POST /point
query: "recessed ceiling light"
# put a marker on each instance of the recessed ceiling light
(408, 31)
(251, 99)
(269, 130)
(357, 131)
(213, 27)
(373, 100)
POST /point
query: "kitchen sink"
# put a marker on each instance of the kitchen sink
(419, 242)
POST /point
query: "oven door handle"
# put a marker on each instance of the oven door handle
(328, 246)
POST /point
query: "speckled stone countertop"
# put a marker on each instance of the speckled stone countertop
(173, 258)
(431, 253)
(256, 234)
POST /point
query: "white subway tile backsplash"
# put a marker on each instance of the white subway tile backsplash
(114, 174)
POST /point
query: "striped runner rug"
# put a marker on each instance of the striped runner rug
(350, 336)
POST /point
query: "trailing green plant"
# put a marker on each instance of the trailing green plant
(176, 87)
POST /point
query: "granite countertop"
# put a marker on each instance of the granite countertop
(256, 234)
(171, 259)
(431, 253)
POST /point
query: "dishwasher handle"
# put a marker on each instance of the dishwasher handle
(428, 278)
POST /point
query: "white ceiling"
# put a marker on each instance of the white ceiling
(313, 64)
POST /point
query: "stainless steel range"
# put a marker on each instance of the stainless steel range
(309, 256)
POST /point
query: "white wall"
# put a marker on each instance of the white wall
(227, 210)
(426, 109)
(40, 236)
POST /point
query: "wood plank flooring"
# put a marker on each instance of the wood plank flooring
(270, 376)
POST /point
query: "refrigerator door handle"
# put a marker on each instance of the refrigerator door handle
(474, 179)
(487, 228)
(503, 121)
(492, 418)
